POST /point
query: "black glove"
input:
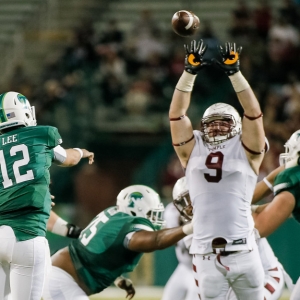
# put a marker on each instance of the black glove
(230, 58)
(73, 231)
(194, 57)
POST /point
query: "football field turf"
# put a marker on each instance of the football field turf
(143, 293)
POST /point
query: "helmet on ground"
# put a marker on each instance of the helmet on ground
(142, 201)
(220, 112)
(15, 110)
(292, 149)
(181, 199)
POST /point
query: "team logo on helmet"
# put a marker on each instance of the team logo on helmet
(133, 197)
(22, 99)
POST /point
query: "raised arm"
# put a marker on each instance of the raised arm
(181, 127)
(253, 135)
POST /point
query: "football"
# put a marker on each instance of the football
(185, 23)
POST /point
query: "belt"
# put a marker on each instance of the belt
(218, 245)
(223, 253)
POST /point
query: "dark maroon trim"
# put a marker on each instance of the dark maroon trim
(183, 143)
(251, 151)
(253, 118)
(178, 119)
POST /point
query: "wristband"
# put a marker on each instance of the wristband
(60, 227)
(239, 82)
(187, 228)
(269, 185)
(80, 151)
(186, 82)
(254, 208)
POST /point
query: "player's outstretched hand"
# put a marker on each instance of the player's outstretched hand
(194, 61)
(230, 55)
(89, 155)
(126, 284)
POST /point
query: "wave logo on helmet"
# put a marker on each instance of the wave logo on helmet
(134, 197)
(23, 100)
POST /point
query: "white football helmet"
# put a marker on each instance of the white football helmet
(220, 111)
(15, 110)
(142, 201)
(181, 199)
(292, 149)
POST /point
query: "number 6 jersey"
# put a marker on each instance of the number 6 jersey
(25, 157)
(221, 183)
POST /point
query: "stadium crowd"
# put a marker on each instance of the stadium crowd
(130, 74)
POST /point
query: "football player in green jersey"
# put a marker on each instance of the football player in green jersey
(111, 245)
(26, 154)
(284, 182)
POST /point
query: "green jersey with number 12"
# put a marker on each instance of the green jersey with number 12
(25, 157)
(99, 255)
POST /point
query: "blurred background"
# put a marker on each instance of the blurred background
(104, 72)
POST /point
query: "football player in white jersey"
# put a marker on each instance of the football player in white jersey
(275, 275)
(181, 285)
(222, 162)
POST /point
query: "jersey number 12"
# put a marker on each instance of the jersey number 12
(7, 182)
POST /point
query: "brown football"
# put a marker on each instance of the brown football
(185, 23)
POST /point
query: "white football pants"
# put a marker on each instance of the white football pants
(274, 285)
(296, 291)
(181, 285)
(23, 266)
(61, 286)
(242, 271)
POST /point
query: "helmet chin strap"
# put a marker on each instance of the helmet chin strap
(292, 162)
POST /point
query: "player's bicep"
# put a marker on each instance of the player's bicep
(261, 191)
(142, 241)
(275, 213)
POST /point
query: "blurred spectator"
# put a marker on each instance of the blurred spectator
(138, 98)
(283, 41)
(210, 38)
(111, 75)
(111, 37)
(80, 53)
(262, 18)
(146, 24)
(241, 26)
(145, 44)
(290, 12)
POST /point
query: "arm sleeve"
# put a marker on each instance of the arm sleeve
(135, 228)
(59, 154)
